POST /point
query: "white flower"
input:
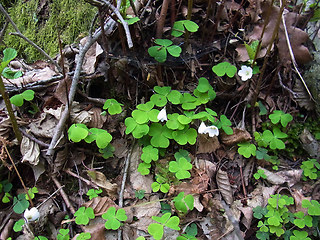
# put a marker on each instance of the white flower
(212, 130)
(245, 73)
(31, 215)
(162, 116)
(202, 128)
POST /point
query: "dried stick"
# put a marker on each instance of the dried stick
(73, 87)
(33, 138)
(162, 18)
(123, 183)
(19, 34)
(294, 63)
(63, 195)
(89, 183)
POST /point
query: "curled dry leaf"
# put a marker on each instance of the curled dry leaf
(5, 126)
(247, 172)
(224, 186)
(298, 197)
(100, 179)
(273, 178)
(30, 151)
(97, 120)
(239, 135)
(301, 96)
(291, 176)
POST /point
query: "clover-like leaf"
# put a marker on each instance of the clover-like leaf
(113, 106)
(159, 185)
(17, 227)
(83, 215)
(174, 97)
(28, 95)
(101, 136)
(159, 53)
(174, 50)
(173, 122)
(299, 235)
(187, 135)
(93, 193)
(247, 149)
(224, 68)
(149, 154)
(259, 212)
(156, 230)
(20, 203)
(144, 168)
(189, 102)
(184, 203)
(225, 124)
(160, 135)
(179, 26)
(17, 100)
(114, 218)
(77, 132)
(84, 236)
(280, 116)
(313, 207)
(182, 153)
(180, 167)
(301, 220)
(137, 130)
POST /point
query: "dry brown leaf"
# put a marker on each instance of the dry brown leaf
(121, 148)
(100, 205)
(224, 186)
(62, 90)
(310, 144)
(301, 96)
(247, 172)
(291, 176)
(5, 127)
(207, 144)
(239, 135)
(273, 178)
(100, 179)
(97, 120)
(298, 197)
(30, 151)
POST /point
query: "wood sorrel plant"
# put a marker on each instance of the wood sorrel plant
(179, 125)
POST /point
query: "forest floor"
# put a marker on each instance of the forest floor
(198, 120)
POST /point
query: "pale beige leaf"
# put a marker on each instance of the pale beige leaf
(207, 144)
(100, 179)
(100, 205)
(273, 178)
(30, 151)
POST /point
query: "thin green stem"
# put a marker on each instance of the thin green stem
(10, 111)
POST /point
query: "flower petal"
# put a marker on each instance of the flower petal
(31, 215)
(202, 128)
(212, 130)
(162, 116)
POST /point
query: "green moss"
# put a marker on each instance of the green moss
(42, 23)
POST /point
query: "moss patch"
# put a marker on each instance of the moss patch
(40, 21)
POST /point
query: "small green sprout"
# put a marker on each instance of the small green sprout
(18, 99)
(252, 49)
(225, 124)
(204, 91)
(224, 68)
(6, 187)
(183, 203)
(247, 149)
(113, 106)
(311, 168)
(83, 215)
(156, 229)
(63, 234)
(114, 217)
(190, 233)
(20, 203)
(259, 174)
(180, 167)
(159, 53)
(279, 116)
(144, 168)
(31, 192)
(84, 236)
(139, 194)
(17, 227)
(160, 184)
(179, 27)
(93, 193)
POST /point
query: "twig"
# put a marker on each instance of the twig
(51, 195)
(63, 194)
(123, 183)
(294, 63)
(33, 138)
(89, 183)
(73, 88)
(19, 34)
(162, 18)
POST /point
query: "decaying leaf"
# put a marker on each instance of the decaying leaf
(224, 186)
(310, 144)
(301, 96)
(100, 205)
(97, 120)
(100, 179)
(247, 172)
(30, 151)
(5, 126)
(273, 178)
(291, 176)
(207, 144)
(239, 135)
